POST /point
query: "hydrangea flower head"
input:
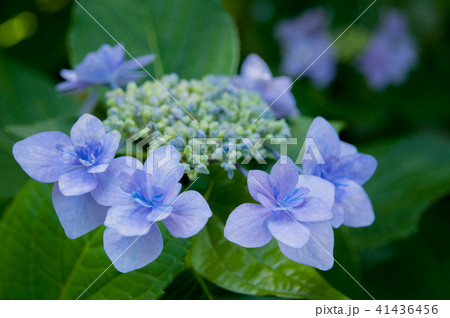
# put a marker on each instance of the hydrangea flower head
(302, 41)
(294, 209)
(256, 75)
(74, 163)
(347, 169)
(139, 196)
(107, 66)
(222, 110)
(390, 54)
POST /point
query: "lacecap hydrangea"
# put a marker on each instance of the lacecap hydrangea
(212, 107)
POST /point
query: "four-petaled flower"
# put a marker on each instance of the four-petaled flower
(74, 163)
(256, 75)
(347, 169)
(295, 209)
(106, 66)
(139, 196)
(390, 54)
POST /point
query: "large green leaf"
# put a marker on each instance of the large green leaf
(37, 260)
(262, 271)
(413, 172)
(26, 97)
(189, 37)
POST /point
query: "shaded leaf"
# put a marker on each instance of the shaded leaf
(37, 260)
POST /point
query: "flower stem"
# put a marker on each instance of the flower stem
(242, 170)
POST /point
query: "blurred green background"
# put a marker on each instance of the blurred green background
(407, 128)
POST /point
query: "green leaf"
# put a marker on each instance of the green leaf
(261, 271)
(413, 172)
(54, 124)
(190, 37)
(37, 260)
(26, 97)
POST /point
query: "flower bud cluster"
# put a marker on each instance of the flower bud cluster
(205, 119)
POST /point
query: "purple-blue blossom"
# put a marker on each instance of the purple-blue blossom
(256, 75)
(347, 169)
(303, 39)
(106, 66)
(141, 195)
(74, 163)
(390, 54)
(294, 209)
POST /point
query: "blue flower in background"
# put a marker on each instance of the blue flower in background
(74, 163)
(347, 169)
(302, 40)
(106, 66)
(390, 54)
(139, 196)
(294, 209)
(256, 75)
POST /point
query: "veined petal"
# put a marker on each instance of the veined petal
(318, 251)
(41, 157)
(357, 167)
(129, 253)
(254, 68)
(338, 215)
(189, 215)
(110, 144)
(325, 137)
(128, 220)
(318, 188)
(288, 230)
(284, 178)
(164, 164)
(284, 106)
(98, 168)
(108, 191)
(357, 207)
(88, 130)
(78, 214)
(347, 149)
(77, 182)
(312, 209)
(260, 188)
(246, 226)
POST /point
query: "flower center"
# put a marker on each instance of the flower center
(85, 156)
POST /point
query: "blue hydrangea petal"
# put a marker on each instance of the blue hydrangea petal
(285, 106)
(87, 131)
(356, 204)
(41, 157)
(338, 215)
(246, 226)
(318, 188)
(98, 168)
(318, 251)
(357, 167)
(347, 149)
(128, 220)
(110, 144)
(189, 215)
(254, 68)
(312, 210)
(311, 167)
(72, 87)
(287, 230)
(78, 214)
(260, 188)
(77, 182)
(164, 164)
(325, 137)
(284, 178)
(134, 64)
(129, 253)
(108, 191)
